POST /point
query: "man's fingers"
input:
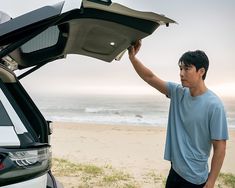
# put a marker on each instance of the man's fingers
(138, 44)
(134, 48)
(130, 49)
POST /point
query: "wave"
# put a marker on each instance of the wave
(115, 110)
(101, 110)
(135, 120)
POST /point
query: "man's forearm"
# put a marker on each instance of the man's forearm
(146, 74)
(141, 70)
(216, 163)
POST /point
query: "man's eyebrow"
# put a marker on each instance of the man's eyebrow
(185, 65)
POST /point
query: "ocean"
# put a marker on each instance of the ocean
(146, 110)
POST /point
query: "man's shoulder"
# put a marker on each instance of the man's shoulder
(175, 86)
(214, 100)
(177, 90)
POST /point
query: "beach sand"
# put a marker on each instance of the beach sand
(137, 150)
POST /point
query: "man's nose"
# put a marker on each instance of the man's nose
(181, 73)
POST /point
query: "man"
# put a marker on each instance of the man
(196, 121)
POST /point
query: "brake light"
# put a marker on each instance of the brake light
(20, 164)
(1, 163)
(1, 166)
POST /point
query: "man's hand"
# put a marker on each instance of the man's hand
(209, 185)
(134, 49)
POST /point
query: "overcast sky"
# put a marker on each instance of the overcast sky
(205, 25)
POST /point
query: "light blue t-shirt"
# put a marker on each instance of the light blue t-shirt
(192, 125)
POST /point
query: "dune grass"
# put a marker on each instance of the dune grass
(89, 175)
(62, 167)
(74, 175)
(227, 179)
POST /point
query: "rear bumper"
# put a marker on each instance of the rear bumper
(45, 181)
(39, 182)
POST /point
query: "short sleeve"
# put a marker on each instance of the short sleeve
(171, 87)
(218, 124)
(174, 90)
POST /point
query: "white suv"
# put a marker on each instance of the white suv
(97, 28)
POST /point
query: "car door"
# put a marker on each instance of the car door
(99, 29)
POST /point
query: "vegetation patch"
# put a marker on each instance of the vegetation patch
(88, 175)
(62, 167)
(154, 178)
(227, 179)
(74, 175)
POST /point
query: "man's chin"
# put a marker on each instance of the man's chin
(184, 84)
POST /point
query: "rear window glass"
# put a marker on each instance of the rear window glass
(4, 118)
(46, 39)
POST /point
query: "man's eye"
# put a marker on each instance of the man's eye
(187, 68)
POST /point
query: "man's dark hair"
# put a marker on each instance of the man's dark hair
(197, 58)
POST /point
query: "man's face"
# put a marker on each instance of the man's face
(189, 75)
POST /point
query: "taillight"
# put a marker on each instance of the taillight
(22, 164)
(1, 165)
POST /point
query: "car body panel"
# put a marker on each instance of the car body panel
(38, 182)
(8, 137)
(18, 26)
(123, 10)
(24, 133)
(4, 17)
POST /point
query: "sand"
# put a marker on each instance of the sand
(135, 149)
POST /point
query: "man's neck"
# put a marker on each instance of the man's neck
(198, 90)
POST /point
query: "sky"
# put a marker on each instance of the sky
(204, 25)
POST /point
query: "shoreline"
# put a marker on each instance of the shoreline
(230, 128)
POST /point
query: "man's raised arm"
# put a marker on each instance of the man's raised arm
(146, 74)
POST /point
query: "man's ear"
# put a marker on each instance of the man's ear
(202, 71)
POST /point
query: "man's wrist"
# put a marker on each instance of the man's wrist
(209, 185)
(132, 58)
(210, 182)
